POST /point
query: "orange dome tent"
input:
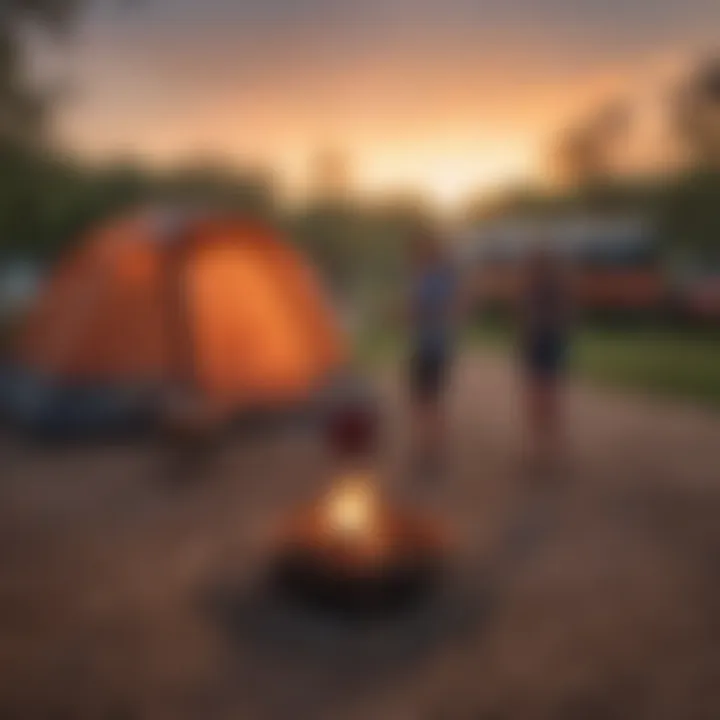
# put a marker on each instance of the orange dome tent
(213, 303)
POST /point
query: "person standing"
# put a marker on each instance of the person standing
(433, 314)
(545, 314)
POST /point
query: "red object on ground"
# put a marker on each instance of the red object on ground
(352, 430)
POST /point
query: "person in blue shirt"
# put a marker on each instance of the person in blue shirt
(433, 314)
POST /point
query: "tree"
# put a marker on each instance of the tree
(689, 218)
(584, 153)
(697, 113)
(23, 108)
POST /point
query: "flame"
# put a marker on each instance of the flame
(352, 507)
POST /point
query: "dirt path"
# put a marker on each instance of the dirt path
(129, 592)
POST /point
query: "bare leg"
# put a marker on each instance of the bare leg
(545, 418)
(434, 427)
(428, 434)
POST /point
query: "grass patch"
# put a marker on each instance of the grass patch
(681, 363)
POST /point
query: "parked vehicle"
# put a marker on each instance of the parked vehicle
(617, 264)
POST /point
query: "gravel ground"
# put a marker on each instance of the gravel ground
(132, 581)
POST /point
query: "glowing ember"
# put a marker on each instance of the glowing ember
(351, 508)
(353, 550)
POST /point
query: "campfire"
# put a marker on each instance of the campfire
(353, 549)
(352, 515)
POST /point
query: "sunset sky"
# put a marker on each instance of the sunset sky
(445, 96)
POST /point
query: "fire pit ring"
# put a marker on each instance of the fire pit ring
(390, 560)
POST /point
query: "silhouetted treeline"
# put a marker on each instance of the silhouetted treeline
(49, 201)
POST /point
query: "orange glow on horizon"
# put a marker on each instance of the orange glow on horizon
(444, 173)
(448, 177)
(407, 123)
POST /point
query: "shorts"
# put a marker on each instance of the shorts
(428, 375)
(545, 356)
